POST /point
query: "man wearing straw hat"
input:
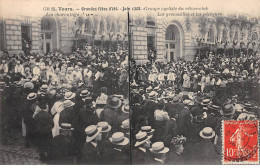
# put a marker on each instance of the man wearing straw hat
(140, 152)
(90, 153)
(28, 120)
(205, 152)
(120, 149)
(109, 114)
(85, 117)
(62, 147)
(158, 153)
(105, 146)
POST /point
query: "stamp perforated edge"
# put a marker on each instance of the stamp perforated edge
(242, 162)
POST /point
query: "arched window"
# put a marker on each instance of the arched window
(113, 28)
(254, 36)
(45, 24)
(211, 35)
(236, 36)
(170, 33)
(224, 37)
(88, 26)
(101, 27)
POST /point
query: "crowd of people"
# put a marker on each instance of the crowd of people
(73, 106)
(181, 105)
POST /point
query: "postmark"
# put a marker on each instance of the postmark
(240, 142)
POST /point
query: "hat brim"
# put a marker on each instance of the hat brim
(152, 130)
(208, 137)
(28, 98)
(118, 105)
(88, 139)
(125, 142)
(107, 130)
(141, 142)
(71, 97)
(231, 113)
(165, 150)
(127, 112)
(125, 127)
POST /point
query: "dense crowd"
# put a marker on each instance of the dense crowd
(73, 106)
(182, 104)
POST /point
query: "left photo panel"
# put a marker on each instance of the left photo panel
(64, 87)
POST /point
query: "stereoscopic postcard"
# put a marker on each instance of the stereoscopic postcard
(132, 82)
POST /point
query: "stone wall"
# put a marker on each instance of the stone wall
(36, 36)
(139, 36)
(13, 36)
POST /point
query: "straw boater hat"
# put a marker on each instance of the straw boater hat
(32, 96)
(92, 132)
(54, 84)
(125, 108)
(69, 95)
(44, 88)
(118, 138)
(66, 126)
(84, 93)
(68, 103)
(114, 102)
(207, 133)
(158, 147)
(125, 124)
(28, 85)
(104, 125)
(141, 137)
(176, 99)
(227, 109)
(147, 129)
(188, 102)
(205, 102)
(214, 107)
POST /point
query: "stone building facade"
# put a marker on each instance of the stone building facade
(183, 37)
(47, 34)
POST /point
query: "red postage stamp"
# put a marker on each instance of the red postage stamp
(240, 142)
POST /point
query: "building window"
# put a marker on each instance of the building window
(236, 37)
(26, 37)
(150, 20)
(210, 35)
(224, 37)
(87, 29)
(113, 28)
(101, 27)
(254, 36)
(46, 25)
(151, 42)
(170, 33)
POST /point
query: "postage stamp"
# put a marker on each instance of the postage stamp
(240, 142)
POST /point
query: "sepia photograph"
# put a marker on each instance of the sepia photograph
(189, 74)
(129, 83)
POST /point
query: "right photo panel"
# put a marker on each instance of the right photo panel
(194, 86)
